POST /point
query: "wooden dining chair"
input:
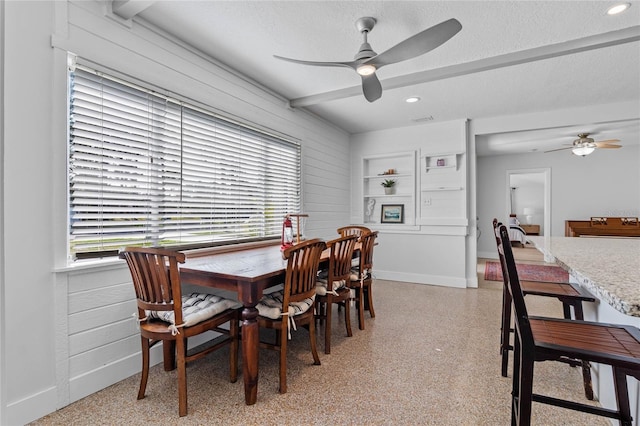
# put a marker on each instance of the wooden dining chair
(353, 230)
(361, 280)
(356, 230)
(570, 295)
(293, 305)
(331, 286)
(167, 316)
(543, 339)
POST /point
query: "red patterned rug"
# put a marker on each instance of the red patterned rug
(493, 272)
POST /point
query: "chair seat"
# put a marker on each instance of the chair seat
(196, 307)
(554, 289)
(322, 286)
(603, 340)
(270, 306)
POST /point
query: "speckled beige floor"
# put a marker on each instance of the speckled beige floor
(430, 357)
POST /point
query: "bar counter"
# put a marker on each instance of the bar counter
(609, 268)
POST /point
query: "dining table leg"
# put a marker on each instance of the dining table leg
(250, 344)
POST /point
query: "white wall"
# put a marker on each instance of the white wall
(605, 183)
(420, 254)
(67, 331)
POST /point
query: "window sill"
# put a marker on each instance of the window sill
(111, 262)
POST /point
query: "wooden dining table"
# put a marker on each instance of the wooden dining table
(248, 272)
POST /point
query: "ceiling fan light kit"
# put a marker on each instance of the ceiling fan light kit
(366, 62)
(366, 69)
(583, 150)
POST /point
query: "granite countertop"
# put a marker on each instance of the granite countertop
(608, 267)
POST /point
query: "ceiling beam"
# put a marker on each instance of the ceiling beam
(127, 9)
(570, 47)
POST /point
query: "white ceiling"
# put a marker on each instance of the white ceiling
(510, 57)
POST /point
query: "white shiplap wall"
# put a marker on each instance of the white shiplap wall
(82, 335)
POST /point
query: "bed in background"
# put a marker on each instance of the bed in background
(517, 234)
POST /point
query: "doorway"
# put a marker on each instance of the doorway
(529, 198)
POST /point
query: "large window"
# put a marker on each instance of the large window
(148, 170)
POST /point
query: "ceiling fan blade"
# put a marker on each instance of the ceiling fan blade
(606, 145)
(418, 44)
(608, 141)
(371, 87)
(350, 64)
(560, 149)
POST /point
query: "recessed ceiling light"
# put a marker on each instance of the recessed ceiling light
(421, 119)
(619, 8)
(412, 99)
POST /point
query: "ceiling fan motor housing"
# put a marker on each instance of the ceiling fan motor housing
(365, 24)
(583, 139)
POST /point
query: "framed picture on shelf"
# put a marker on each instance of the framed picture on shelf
(392, 213)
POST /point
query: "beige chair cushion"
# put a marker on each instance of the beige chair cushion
(270, 306)
(322, 286)
(196, 307)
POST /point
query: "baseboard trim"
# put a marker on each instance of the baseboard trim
(439, 280)
(33, 407)
(487, 254)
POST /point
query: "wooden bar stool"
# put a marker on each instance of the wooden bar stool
(569, 294)
(543, 339)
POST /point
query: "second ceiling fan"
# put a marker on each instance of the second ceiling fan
(367, 61)
(585, 145)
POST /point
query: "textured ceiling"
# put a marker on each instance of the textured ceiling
(244, 35)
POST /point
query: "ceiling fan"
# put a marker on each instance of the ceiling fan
(366, 61)
(585, 145)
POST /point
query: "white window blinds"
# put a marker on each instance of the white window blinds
(147, 170)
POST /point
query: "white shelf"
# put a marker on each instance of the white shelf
(404, 165)
(442, 188)
(442, 197)
(447, 160)
(387, 195)
(440, 167)
(387, 176)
